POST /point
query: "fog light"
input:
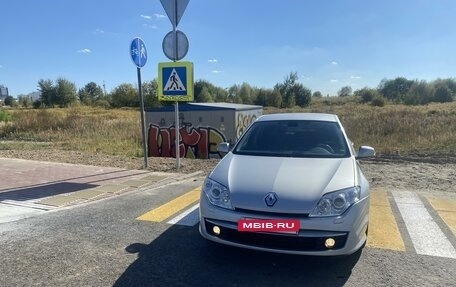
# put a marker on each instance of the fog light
(216, 230)
(329, 243)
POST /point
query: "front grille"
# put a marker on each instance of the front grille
(276, 241)
(273, 214)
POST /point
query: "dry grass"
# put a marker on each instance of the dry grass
(390, 129)
(394, 128)
(114, 132)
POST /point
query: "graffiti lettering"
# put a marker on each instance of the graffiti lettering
(201, 142)
(243, 122)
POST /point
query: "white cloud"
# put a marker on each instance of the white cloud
(213, 60)
(355, 77)
(85, 51)
(159, 16)
(334, 63)
(98, 31)
(334, 81)
(217, 72)
(146, 17)
(150, 26)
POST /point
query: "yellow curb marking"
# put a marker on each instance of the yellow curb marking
(166, 210)
(383, 230)
(446, 210)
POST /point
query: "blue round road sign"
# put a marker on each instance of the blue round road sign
(138, 52)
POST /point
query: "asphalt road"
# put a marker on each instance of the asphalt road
(103, 244)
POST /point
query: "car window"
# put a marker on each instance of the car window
(294, 138)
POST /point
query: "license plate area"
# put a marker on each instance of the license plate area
(285, 226)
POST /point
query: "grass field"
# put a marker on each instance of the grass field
(393, 129)
(96, 130)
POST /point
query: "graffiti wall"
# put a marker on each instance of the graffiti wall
(194, 142)
(243, 121)
(202, 128)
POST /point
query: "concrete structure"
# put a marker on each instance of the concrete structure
(202, 127)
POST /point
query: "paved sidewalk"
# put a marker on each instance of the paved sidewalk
(46, 185)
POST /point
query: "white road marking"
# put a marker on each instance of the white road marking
(190, 217)
(426, 235)
(28, 203)
(9, 213)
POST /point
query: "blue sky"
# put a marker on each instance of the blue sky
(329, 44)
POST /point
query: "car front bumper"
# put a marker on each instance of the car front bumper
(348, 231)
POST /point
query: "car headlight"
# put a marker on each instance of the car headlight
(217, 194)
(336, 203)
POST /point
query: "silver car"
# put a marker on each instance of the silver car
(291, 184)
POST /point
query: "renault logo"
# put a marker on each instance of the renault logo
(270, 199)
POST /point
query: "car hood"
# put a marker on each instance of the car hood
(298, 183)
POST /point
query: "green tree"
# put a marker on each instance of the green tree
(317, 94)
(233, 94)
(292, 92)
(366, 94)
(262, 96)
(449, 83)
(205, 95)
(345, 91)
(124, 95)
(445, 90)
(150, 94)
(48, 92)
(202, 90)
(302, 94)
(25, 101)
(274, 99)
(221, 95)
(207, 92)
(288, 98)
(396, 89)
(9, 100)
(420, 93)
(443, 95)
(246, 94)
(378, 101)
(90, 93)
(65, 93)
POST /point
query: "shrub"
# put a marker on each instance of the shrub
(37, 104)
(9, 100)
(366, 94)
(102, 103)
(5, 116)
(378, 101)
(443, 95)
(420, 93)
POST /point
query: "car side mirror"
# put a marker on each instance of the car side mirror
(365, 151)
(223, 147)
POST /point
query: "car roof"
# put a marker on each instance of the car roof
(299, 116)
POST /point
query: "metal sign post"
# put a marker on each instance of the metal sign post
(175, 9)
(138, 55)
(177, 133)
(143, 122)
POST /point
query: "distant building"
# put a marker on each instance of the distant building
(34, 96)
(3, 92)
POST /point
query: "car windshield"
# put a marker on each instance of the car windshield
(294, 138)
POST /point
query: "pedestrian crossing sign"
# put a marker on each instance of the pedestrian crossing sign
(175, 81)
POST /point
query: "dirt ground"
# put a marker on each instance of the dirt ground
(424, 173)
